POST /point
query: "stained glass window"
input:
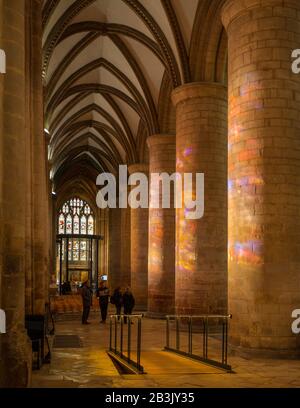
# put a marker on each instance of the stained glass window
(83, 255)
(69, 224)
(83, 225)
(76, 224)
(91, 225)
(76, 217)
(61, 224)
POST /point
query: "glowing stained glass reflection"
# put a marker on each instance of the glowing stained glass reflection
(249, 252)
(186, 243)
(244, 181)
(187, 151)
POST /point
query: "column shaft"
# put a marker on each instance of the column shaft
(139, 247)
(264, 184)
(201, 244)
(161, 274)
(115, 242)
(16, 357)
(37, 212)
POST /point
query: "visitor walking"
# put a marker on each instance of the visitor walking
(117, 300)
(87, 300)
(128, 302)
(103, 296)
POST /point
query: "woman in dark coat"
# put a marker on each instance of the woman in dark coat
(128, 302)
(103, 296)
(117, 300)
(87, 301)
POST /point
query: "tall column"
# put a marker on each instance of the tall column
(1, 175)
(37, 208)
(264, 183)
(201, 244)
(125, 247)
(16, 356)
(114, 264)
(161, 274)
(139, 247)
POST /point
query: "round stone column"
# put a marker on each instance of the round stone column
(161, 264)
(139, 247)
(37, 211)
(201, 244)
(15, 367)
(264, 182)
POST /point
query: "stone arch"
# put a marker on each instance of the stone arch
(208, 49)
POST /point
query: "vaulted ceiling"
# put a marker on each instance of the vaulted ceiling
(104, 66)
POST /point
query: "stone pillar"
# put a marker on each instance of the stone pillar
(201, 244)
(1, 176)
(264, 183)
(114, 258)
(37, 143)
(139, 247)
(161, 264)
(125, 247)
(15, 369)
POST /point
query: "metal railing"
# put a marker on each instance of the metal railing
(203, 338)
(126, 343)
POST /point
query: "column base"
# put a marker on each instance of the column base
(16, 360)
(155, 315)
(252, 353)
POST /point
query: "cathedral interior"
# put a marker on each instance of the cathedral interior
(161, 86)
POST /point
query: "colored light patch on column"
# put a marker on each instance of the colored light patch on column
(249, 252)
(179, 163)
(244, 181)
(186, 245)
(187, 151)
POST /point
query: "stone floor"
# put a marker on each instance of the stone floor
(90, 365)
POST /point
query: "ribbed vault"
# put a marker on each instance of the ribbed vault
(109, 67)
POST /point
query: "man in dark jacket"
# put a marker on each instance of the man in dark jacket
(128, 302)
(103, 296)
(117, 300)
(87, 300)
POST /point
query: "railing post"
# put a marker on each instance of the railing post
(226, 341)
(139, 343)
(223, 341)
(190, 336)
(206, 336)
(168, 332)
(129, 339)
(177, 334)
(116, 331)
(110, 333)
(121, 340)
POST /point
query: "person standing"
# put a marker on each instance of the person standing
(117, 300)
(128, 302)
(103, 296)
(87, 300)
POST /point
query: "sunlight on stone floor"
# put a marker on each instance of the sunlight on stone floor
(90, 366)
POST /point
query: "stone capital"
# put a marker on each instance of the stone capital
(199, 90)
(234, 9)
(138, 168)
(160, 139)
